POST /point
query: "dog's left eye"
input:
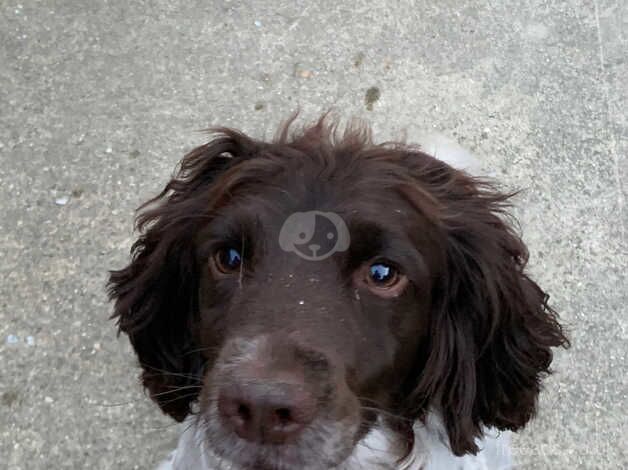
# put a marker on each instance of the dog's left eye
(382, 278)
(227, 260)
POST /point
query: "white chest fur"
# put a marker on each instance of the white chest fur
(375, 451)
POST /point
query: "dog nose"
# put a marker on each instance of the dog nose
(272, 413)
(314, 248)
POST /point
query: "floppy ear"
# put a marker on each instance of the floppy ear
(491, 329)
(156, 295)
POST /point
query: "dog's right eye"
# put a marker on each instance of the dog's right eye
(227, 260)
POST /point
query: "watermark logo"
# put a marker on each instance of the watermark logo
(314, 235)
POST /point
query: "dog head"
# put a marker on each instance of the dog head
(300, 290)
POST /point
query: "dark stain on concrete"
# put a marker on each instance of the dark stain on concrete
(358, 59)
(371, 96)
(9, 397)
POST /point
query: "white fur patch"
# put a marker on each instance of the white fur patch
(378, 450)
(449, 151)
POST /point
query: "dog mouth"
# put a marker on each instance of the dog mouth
(250, 456)
(324, 445)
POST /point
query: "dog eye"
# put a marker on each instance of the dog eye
(383, 275)
(227, 260)
(382, 278)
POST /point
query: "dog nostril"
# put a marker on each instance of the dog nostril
(244, 412)
(284, 415)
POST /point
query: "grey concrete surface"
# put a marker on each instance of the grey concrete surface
(100, 99)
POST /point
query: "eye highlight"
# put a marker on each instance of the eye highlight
(382, 274)
(226, 260)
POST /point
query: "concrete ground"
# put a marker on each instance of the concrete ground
(99, 100)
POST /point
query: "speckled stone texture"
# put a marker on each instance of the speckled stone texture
(99, 100)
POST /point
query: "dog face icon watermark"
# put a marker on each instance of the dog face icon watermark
(314, 235)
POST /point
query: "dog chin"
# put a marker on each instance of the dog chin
(323, 447)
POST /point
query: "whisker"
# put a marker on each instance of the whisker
(122, 403)
(387, 413)
(177, 389)
(212, 349)
(182, 397)
(158, 372)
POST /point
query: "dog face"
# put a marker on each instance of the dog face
(302, 348)
(302, 290)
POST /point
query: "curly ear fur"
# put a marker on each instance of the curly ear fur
(492, 330)
(156, 295)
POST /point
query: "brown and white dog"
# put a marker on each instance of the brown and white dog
(322, 302)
